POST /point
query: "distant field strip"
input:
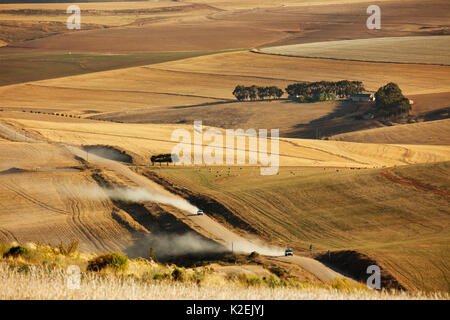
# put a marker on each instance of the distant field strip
(424, 50)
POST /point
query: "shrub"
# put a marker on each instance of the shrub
(178, 274)
(159, 276)
(250, 280)
(253, 255)
(278, 271)
(116, 261)
(16, 251)
(68, 250)
(272, 281)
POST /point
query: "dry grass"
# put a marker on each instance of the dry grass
(426, 50)
(41, 274)
(38, 283)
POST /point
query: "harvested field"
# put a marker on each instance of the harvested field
(431, 132)
(429, 102)
(277, 25)
(424, 50)
(35, 186)
(403, 226)
(25, 67)
(149, 139)
(200, 80)
(412, 79)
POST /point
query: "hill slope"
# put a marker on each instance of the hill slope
(399, 217)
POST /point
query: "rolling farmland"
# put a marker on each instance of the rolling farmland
(423, 50)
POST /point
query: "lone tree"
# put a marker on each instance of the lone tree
(164, 157)
(390, 101)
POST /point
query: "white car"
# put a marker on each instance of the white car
(288, 252)
(199, 212)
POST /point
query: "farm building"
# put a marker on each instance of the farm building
(362, 97)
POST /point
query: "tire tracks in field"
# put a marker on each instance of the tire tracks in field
(390, 175)
(8, 234)
(36, 201)
(77, 221)
(324, 151)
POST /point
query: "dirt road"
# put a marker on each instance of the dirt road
(221, 234)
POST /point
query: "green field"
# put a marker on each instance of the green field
(24, 67)
(397, 216)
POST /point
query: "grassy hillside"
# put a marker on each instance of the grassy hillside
(398, 216)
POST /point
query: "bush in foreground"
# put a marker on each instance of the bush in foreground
(16, 251)
(115, 260)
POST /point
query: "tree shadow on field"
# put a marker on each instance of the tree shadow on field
(345, 117)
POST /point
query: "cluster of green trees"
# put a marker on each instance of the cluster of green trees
(390, 101)
(254, 92)
(323, 90)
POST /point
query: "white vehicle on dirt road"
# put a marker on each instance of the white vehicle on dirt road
(288, 252)
(199, 212)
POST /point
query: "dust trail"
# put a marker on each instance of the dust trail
(94, 192)
(148, 190)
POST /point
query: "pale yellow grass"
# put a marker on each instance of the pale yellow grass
(40, 283)
(3, 43)
(149, 139)
(427, 50)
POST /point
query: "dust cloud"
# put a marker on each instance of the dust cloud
(94, 192)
